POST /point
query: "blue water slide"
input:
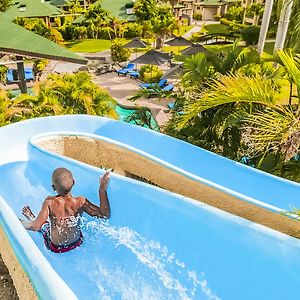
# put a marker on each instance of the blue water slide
(157, 244)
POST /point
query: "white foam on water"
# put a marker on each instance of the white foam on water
(163, 266)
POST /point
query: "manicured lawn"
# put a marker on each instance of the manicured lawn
(89, 45)
(174, 49)
(217, 28)
(219, 48)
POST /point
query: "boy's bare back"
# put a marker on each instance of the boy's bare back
(64, 210)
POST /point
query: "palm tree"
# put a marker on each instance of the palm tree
(264, 25)
(59, 94)
(242, 114)
(141, 117)
(283, 24)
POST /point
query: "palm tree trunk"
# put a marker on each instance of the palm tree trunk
(283, 24)
(264, 26)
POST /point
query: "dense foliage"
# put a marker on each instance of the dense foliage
(39, 27)
(5, 4)
(3, 72)
(242, 107)
(156, 19)
(59, 94)
(251, 34)
(118, 52)
(150, 73)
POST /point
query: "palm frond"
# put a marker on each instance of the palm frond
(232, 89)
(276, 130)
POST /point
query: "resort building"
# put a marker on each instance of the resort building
(201, 9)
(121, 9)
(33, 9)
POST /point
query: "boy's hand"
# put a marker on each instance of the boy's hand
(104, 181)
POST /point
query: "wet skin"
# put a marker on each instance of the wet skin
(64, 212)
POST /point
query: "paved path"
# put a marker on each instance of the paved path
(121, 88)
(198, 27)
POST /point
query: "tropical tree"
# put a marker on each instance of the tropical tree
(156, 18)
(5, 4)
(74, 7)
(283, 24)
(59, 94)
(163, 24)
(96, 17)
(265, 25)
(243, 116)
(145, 10)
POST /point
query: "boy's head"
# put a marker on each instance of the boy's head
(62, 181)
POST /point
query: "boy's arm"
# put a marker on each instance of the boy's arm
(42, 217)
(103, 210)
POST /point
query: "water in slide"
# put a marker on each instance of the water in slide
(157, 245)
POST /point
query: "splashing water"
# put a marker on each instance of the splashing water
(143, 269)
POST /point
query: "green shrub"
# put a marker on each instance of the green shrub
(251, 34)
(197, 17)
(217, 17)
(133, 30)
(225, 21)
(3, 72)
(118, 53)
(129, 5)
(71, 32)
(272, 33)
(149, 73)
(235, 13)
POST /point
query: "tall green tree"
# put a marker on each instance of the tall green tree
(5, 4)
(163, 23)
(145, 10)
(97, 17)
(156, 18)
(242, 115)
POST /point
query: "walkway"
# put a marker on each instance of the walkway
(198, 27)
(121, 88)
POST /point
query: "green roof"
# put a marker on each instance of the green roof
(58, 2)
(116, 8)
(32, 8)
(15, 39)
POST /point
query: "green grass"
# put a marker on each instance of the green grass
(269, 47)
(217, 28)
(219, 48)
(89, 45)
(174, 49)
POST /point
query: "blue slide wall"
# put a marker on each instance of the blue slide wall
(157, 245)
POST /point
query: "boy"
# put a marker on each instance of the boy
(64, 212)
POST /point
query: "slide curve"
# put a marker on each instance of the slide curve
(157, 244)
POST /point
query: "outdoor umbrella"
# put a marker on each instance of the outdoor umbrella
(174, 72)
(152, 57)
(179, 41)
(194, 49)
(136, 43)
